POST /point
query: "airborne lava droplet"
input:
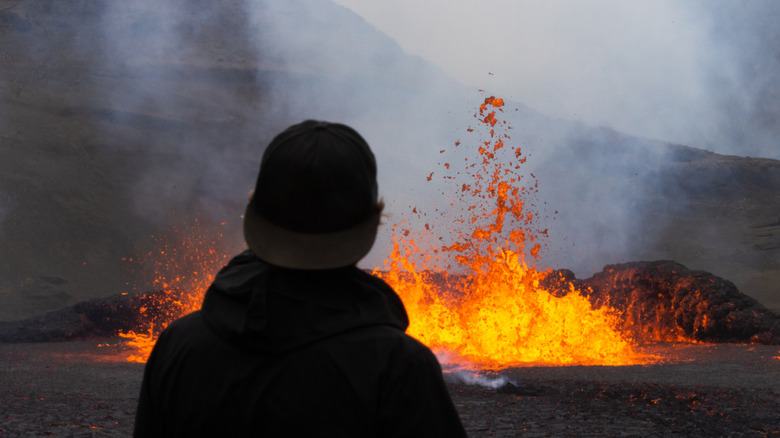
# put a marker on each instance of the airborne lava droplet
(486, 303)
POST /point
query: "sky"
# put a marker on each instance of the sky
(700, 73)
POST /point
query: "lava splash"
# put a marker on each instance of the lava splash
(496, 313)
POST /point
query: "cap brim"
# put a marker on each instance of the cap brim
(291, 249)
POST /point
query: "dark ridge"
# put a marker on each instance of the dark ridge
(99, 317)
(658, 301)
(666, 300)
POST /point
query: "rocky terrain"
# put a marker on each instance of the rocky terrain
(80, 389)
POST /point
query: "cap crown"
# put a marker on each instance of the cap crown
(316, 177)
(315, 202)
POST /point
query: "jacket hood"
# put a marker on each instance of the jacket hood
(274, 309)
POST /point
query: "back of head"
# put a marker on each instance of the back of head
(315, 202)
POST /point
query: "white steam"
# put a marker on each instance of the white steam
(476, 379)
(189, 92)
(700, 73)
(459, 374)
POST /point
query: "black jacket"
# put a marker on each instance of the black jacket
(281, 352)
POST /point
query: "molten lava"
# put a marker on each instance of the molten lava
(486, 307)
(497, 314)
(183, 266)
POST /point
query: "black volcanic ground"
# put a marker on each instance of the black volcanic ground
(107, 139)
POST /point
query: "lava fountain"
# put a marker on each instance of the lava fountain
(183, 265)
(496, 314)
(486, 308)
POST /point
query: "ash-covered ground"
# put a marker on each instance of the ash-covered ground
(82, 389)
(84, 386)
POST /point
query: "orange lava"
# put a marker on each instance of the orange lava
(499, 317)
(184, 264)
(486, 307)
(495, 314)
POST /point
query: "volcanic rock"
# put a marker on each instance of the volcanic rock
(99, 317)
(658, 301)
(665, 301)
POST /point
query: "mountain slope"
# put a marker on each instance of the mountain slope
(122, 120)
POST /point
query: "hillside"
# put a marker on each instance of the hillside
(121, 120)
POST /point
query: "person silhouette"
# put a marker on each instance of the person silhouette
(292, 338)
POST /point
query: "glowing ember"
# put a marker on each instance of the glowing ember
(496, 314)
(184, 264)
(141, 344)
(488, 310)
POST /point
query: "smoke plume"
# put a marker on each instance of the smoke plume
(699, 73)
(121, 120)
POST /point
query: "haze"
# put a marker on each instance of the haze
(700, 73)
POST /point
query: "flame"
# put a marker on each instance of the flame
(496, 314)
(140, 344)
(486, 308)
(183, 265)
(500, 317)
